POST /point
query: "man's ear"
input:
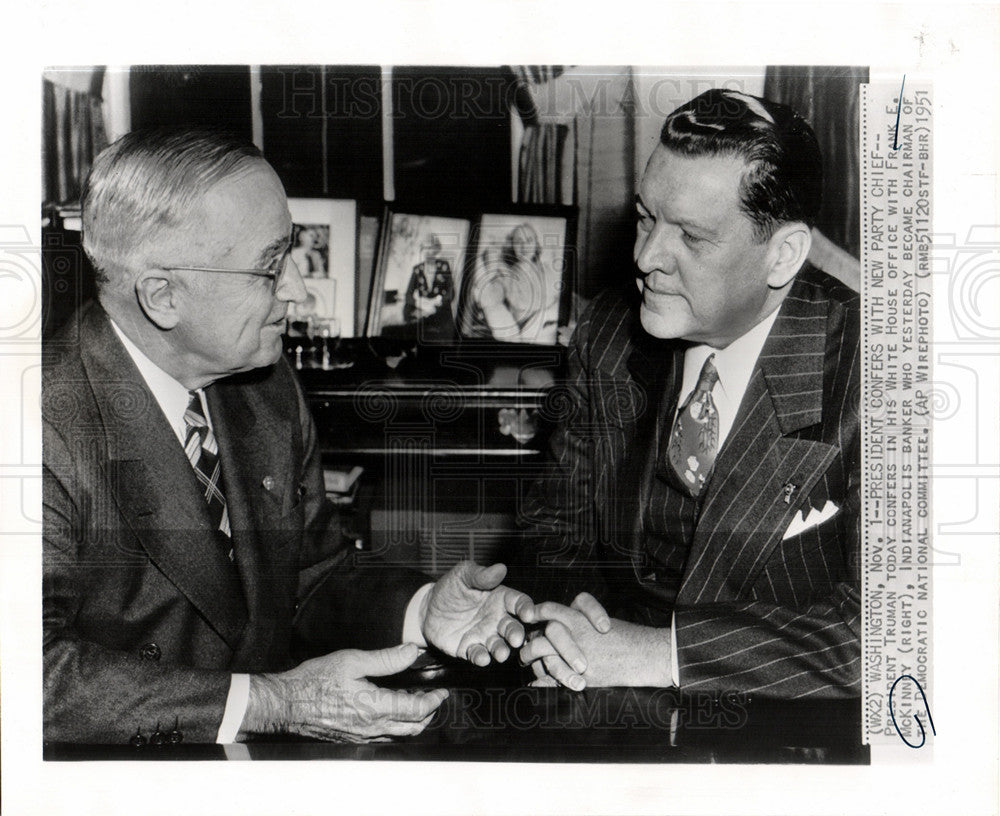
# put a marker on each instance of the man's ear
(157, 298)
(790, 247)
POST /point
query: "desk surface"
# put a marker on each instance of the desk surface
(487, 719)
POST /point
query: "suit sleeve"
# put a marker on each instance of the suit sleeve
(559, 544)
(782, 651)
(347, 599)
(92, 693)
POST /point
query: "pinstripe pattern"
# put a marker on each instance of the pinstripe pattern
(753, 612)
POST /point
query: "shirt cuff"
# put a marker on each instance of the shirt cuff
(236, 708)
(412, 624)
(675, 669)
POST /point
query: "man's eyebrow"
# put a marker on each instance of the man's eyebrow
(704, 229)
(273, 248)
(695, 225)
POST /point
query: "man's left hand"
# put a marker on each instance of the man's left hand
(627, 655)
(468, 614)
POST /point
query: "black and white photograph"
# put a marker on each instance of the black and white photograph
(496, 437)
(323, 249)
(419, 275)
(715, 362)
(311, 250)
(516, 285)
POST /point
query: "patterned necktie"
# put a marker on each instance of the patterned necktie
(694, 439)
(203, 453)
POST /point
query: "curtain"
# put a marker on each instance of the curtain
(73, 132)
(539, 178)
(578, 149)
(828, 98)
(546, 149)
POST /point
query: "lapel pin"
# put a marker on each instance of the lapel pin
(789, 491)
(268, 483)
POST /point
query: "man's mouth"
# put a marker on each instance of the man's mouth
(648, 286)
(650, 290)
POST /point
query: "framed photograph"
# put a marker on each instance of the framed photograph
(418, 276)
(324, 248)
(520, 278)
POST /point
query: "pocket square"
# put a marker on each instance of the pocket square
(799, 524)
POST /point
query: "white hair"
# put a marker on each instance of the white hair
(147, 182)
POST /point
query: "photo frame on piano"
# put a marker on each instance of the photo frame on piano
(324, 248)
(418, 276)
(520, 283)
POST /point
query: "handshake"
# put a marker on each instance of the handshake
(466, 614)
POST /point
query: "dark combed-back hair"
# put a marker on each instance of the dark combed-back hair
(783, 179)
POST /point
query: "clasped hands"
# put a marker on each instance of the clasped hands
(581, 645)
(467, 614)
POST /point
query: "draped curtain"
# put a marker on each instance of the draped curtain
(546, 147)
(578, 149)
(828, 98)
(73, 132)
(540, 180)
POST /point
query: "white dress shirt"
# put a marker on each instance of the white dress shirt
(735, 364)
(173, 398)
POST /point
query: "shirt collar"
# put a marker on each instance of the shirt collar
(170, 395)
(735, 363)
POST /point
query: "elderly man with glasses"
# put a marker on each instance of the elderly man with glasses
(190, 556)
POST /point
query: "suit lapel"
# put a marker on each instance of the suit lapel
(745, 512)
(153, 484)
(255, 448)
(659, 368)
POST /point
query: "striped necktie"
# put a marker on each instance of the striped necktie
(203, 453)
(694, 439)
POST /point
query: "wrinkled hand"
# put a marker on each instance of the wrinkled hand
(329, 698)
(625, 654)
(469, 615)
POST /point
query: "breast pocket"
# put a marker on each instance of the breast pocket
(805, 566)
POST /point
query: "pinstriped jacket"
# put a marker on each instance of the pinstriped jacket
(756, 611)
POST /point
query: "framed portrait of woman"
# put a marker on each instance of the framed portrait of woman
(520, 278)
(324, 248)
(419, 272)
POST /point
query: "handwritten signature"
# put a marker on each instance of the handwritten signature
(920, 725)
(895, 137)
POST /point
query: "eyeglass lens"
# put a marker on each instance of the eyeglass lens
(279, 270)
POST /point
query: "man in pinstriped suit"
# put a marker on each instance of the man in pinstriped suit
(739, 571)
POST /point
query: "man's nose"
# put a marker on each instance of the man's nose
(290, 285)
(654, 253)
